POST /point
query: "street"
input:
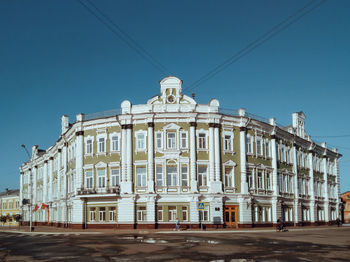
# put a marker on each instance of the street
(311, 244)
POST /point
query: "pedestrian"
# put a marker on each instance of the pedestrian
(177, 227)
(338, 222)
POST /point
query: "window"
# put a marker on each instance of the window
(202, 175)
(11, 205)
(283, 155)
(250, 179)
(101, 178)
(159, 140)
(102, 214)
(172, 175)
(159, 175)
(141, 214)
(184, 140)
(140, 141)
(229, 182)
(260, 180)
(228, 144)
(172, 213)
(249, 144)
(115, 175)
(184, 213)
(141, 176)
(17, 204)
(89, 180)
(184, 175)
(160, 213)
(204, 214)
(202, 141)
(259, 148)
(268, 181)
(92, 214)
(267, 148)
(115, 143)
(171, 140)
(112, 214)
(101, 145)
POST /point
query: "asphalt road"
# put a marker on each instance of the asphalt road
(321, 244)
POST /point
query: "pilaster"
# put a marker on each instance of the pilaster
(150, 159)
(325, 189)
(193, 153)
(243, 156)
(296, 193)
(274, 178)
(311, 189)
(79, 161)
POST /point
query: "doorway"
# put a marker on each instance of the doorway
(231, 216)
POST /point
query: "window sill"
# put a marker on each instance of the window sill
(229, 152)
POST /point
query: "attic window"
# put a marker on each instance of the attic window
(171, 99)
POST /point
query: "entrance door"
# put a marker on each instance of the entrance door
(230, 216)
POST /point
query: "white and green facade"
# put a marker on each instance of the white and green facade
(146, 165)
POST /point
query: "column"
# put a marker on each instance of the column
(194, 214)
(65, 183)
(151, 209)
(34, 178)
(216, 186)
(274, 178)
(217, 152)
(296, 192)
(325, 189)
(123, 154)
(45, 183)
(59, 175)
(193, 153)
(128, 188)
(150, 159)
(243, 156)
(337, 188)
(211, 153)
(79, 161)
(20, 194)
(51, 178)
(311, 188)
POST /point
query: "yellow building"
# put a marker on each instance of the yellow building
(9, 207)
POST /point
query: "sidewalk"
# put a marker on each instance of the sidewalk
(65, 231)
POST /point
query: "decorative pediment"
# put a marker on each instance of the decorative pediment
(101, 165)
(230, 163)
(262, 166)
(171, 126)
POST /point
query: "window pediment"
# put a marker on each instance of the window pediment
(171, 126)
(101, 165)
(230, 163)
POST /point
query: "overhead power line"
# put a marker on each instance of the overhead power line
(275, 30)
(339, 136)
(122, 35)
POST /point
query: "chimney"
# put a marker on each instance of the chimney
(80, 117)
(241, 112)
(272, 121)
(65, 123)
(7, 191)
(34, 151)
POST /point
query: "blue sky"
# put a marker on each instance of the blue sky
(57, 58)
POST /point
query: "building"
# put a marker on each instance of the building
(146, 165)
(9, 207)
(345, 198)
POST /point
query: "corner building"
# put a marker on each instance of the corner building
(146, 165)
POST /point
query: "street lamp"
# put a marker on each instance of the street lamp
(31, 188)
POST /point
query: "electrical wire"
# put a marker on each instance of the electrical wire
(339, 136)
(122, 35)
(256, 43)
